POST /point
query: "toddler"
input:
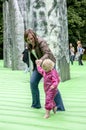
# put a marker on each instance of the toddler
(51, 81)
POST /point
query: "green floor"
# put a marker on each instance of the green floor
(15, 101)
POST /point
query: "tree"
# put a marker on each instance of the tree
(1, 31)
(47, 19)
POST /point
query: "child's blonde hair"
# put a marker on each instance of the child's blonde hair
(78, 42)
(48, 63)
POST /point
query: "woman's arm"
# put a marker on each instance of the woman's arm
(45, 50)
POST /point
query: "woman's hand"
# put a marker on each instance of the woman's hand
(38, 62)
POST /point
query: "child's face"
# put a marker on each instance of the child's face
(47, 69)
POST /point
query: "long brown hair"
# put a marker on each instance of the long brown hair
(29, 31)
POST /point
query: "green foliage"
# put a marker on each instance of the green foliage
(84, 57)
(77, 20)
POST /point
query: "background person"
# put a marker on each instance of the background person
(72, 53)
(80, 51)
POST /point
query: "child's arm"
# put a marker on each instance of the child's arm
(55, 80)
(39, 68)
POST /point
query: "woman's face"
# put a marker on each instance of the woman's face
(30, 40)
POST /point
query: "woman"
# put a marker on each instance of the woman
(39, 49)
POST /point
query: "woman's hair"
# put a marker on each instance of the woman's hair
(48, 63)
(27, 32)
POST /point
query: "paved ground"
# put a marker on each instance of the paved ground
(15, 101)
